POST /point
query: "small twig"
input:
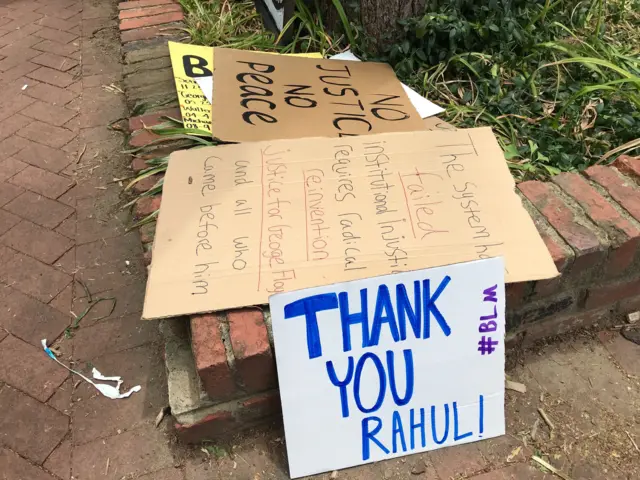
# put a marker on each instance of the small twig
(84, 149)
(550, 467)
(633, 441)
(546, 419)
(106, 470)
(161, 414)
(534, 429)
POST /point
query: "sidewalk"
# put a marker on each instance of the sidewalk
(62, 228)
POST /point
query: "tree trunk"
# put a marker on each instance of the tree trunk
(379, 18)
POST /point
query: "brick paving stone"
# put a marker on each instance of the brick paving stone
(19, 72)
(112, 336)
(11, 125)
(7, 221)
(59, 462)
(56, 35)
(39, 209)
(110, 251)
(57, 62)
(36, 241)
(68, 227)
(14, 105)
(129, 301)
(625, 353)
(54, 115)
(109, 276)
(97, 416)
(135, 452)
(52, 77)
(458, 460)
(46, 134)
(14, 467)
(63, 301)
(133, 23)
(61, 399)
(18, 58)
(44, 321)
(66, 49)
(91, 230)
(43, 182)
(22, 367)
(33, 429)
(12, 145)
(43, 156)
(8, 192)
(9, 167)
(51, 94)
(16, 35)
(34, 278)
(57, 23)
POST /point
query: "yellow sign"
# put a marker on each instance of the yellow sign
(190, 62)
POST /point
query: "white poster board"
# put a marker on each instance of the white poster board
(421, 369)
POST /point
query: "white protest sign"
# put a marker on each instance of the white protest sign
(388, 366)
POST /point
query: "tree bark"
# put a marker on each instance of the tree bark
(379, 18)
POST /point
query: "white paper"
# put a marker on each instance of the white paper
(107, 390)
(206, 85)
(424, 107)
(450, 372)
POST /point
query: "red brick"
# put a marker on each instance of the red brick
(153, 119)
(142, 33)
(7, 221)
(610, 294)
(50, 94)
(13, 466)
(44, 321)
(9, 167)
(146, 206)
(34, 278)
(559, 325)
(8, 192)
(51, 76)
(624, 235)
(42, 182)
(132, 23)
(628, 165)
(22, 367)
(259, 407)
(18, 72)
(515, 293)
(57, 62)
(17, 59)
(56, 35)
(143, 138)
(577, 232)
(143, 3)
(47, 158)
(36, 241)
(137, 165)
(621, 188)
(147, 183)
(212, 426)
(135, 452)
(32, 429)
(148, 11)
(12, 145)
(147, 231)
(17, 35)
(12, 124)
(13, 104)
(250, 343)
(210, 356)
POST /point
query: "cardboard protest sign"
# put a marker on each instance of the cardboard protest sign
(258, 97)
(239, 223)
(388, 366)
(191, 65)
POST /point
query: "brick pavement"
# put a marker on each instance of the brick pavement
(61, 224)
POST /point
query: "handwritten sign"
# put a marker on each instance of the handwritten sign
(384, 367)
(262, 97)
(239, 223)
(190, 62)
